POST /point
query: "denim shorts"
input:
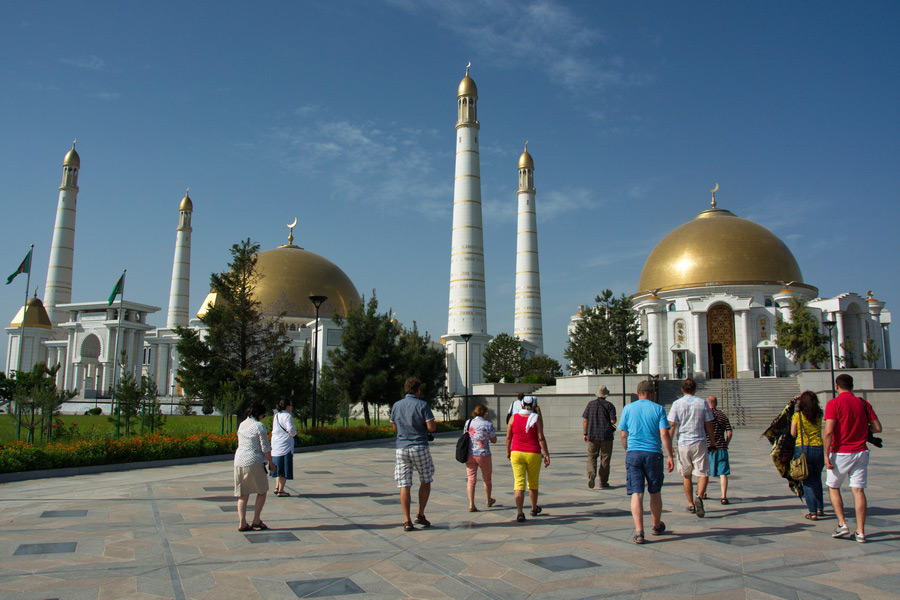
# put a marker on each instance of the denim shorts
(643, 466)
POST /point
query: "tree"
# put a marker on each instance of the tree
(607, 338)
(136, 398)
(292, 380)
(848, 361)
(871, 354)
(504, 359)
(417, 356)
(240, 343)
(37, 398)
(800, 338)
(360, 369)
(541, 369)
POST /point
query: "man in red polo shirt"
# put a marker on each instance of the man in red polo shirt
(848, 421)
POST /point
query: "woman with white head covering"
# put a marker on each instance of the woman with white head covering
(525, 444)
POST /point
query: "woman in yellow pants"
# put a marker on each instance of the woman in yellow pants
(525, 444)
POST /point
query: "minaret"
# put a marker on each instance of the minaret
(527, 323)
(179, 293)
(58, 289)
(467, 314)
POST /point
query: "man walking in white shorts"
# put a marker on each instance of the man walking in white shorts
(694, 422)
(848, 421)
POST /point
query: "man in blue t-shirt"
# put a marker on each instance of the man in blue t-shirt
(645, 431)
(413, 420)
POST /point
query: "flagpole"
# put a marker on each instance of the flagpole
(22, 341)
(115, 354)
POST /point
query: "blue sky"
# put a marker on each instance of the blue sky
(342, 114)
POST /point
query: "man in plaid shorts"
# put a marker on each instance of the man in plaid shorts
(413, 420)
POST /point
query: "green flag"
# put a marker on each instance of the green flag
(119, 288)
(25, 267)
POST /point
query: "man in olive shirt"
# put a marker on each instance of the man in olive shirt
(597, 421)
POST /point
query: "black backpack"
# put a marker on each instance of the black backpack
(462, 445)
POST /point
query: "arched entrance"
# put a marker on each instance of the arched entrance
(720, 340)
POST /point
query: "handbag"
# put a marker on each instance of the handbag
(799, 469)
(462, 444)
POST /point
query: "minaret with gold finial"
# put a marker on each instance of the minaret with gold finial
(58, 289)
(468, 311)
(179, 292)
(527, 322)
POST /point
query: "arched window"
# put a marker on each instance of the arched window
(768, 302)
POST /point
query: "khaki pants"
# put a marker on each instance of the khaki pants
(603, 449)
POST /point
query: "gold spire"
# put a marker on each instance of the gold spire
(713, 192)
(291, 232)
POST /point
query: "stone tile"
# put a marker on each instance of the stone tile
(268, 537)
(564, 562)
(52, 514)
(45, 548)
(319, 588)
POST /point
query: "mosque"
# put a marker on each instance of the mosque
(708, 296)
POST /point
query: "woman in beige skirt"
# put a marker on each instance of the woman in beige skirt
(250, 475)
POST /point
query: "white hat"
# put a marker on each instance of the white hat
(529, 401)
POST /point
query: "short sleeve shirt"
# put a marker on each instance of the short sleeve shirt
(812, 432)
(643, 420)
(410, 415)
(851, 417)
(690, 413)
(600, 414)
(720, 426)
(480, 433)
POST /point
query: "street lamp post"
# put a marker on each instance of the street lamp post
(829, 325)
(466, 337)
(317, 302)
(624, 333)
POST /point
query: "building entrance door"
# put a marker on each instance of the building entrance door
(720, 337)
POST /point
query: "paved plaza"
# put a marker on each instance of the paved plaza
(172, 533)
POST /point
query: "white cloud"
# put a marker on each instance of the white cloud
(366, 162)
(94, 63)
(540, 34)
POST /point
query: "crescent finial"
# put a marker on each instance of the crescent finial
(526, 145)
(467, 68)
(713, 192)
(291, 231)
(74, 142)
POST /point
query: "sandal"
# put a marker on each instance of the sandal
(536, 511)
(520, 518)
(473, 509)
(408, 526)
(491, 502)
(245, 528)
(421, 520)
(725, 501)
(261, 526)
(811, 517)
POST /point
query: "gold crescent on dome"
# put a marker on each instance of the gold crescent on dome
(291, 231)
(713, 192)
(294, 224)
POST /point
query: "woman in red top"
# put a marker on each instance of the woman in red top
(525, 444)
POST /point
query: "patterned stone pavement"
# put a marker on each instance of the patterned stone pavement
(172, 533)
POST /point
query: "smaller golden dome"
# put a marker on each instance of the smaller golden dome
(186, 204)
(35, 315)
(525, 161)
(72, 159)
(467, 87)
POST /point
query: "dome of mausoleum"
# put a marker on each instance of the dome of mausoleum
(719, 248)
(35, 315)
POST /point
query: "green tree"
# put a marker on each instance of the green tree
(801, 338)
(150, 412)
(504, 359)
(848, 361)
(38, 399)
(871, 354)
(240, 343)
(417, 356)
(607, 338)
(133, 397)
(541, 369)
(292, 380)
(360, 369)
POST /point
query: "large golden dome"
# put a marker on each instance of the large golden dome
(718, 248)
(290, 275)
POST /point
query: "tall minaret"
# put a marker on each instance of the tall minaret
(179, 293)
(467, 314)
(58, 289)
(528, 327)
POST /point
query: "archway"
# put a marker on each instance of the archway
(720, 341)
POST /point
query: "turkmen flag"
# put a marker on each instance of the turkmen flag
(25, 267)
(119, 288)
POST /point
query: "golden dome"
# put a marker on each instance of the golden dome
(467, 87)
(72, 159)
(290, 275)
(719, 248)
(35, 315)
(525, 161)
(186, 204)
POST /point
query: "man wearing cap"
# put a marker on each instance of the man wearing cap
(597, 422)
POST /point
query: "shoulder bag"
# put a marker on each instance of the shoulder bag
(462, 444)
(799, 469)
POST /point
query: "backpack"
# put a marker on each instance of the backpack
(462, 444)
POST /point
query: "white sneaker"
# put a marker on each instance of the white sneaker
(841, 531)
(860, 537)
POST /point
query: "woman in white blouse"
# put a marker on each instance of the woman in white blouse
(250, 459)
(283, 433)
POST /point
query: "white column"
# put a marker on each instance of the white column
(657, 343)
(698, 347)
(841, 353)
(58, 289)
(527, 320)
(745, 356)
